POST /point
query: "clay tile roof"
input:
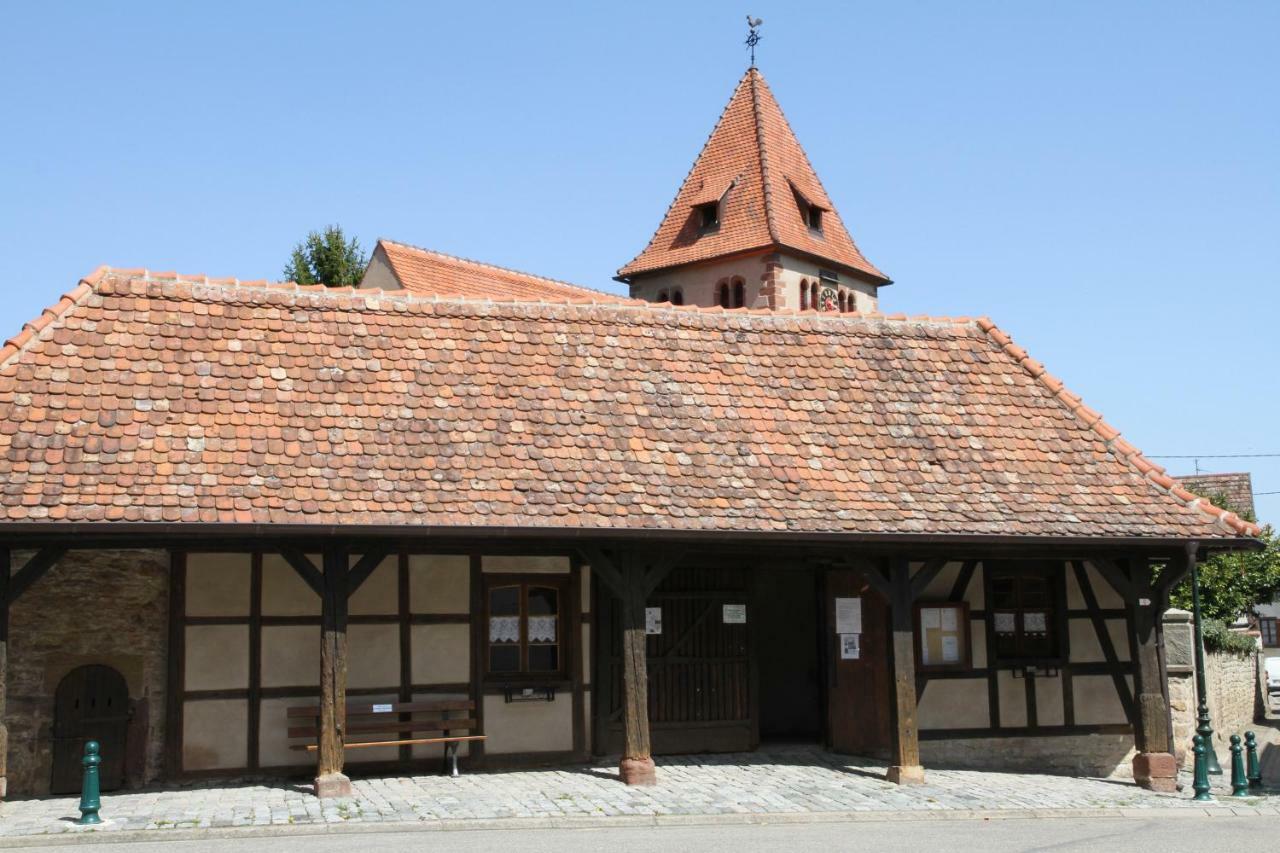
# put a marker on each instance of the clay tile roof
(753, 145)
(1236, 489)
(141, 397)
(431, 273)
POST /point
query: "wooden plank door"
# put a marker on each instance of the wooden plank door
(701, 678)
(859, 716)
(91, 703)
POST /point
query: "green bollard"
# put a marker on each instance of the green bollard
(1200, 780)
(90, 794)
(1239, 784)
(1253, 770)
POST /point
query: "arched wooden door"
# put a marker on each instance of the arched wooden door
(91, 703)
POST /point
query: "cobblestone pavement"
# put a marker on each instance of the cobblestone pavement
(778, 782)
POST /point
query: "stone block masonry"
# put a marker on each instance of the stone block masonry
(1232, 681)
(93, 607)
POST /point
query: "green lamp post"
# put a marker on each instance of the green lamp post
(1203, 727)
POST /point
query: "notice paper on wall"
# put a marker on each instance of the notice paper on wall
(848, 616)
(950, 649)
(735, 614)
(850, 646)
(653, 620)
(948, 619)
(930, 617)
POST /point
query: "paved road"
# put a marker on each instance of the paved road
(1060, 835)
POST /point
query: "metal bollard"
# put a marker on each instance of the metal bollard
(90, 795)
(1239, 784)
(1253, 770)
(1200, 780)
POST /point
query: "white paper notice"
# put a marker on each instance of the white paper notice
(848, 616)
(381, 709)
(1034, 622)
(850, 646)
(950, 650)
(948, 619)
(929, 617)
(653, 620)
(735, 614)
(1005, 623)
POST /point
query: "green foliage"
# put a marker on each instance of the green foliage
(326, 258)
(1219, 638)
(1233, 584)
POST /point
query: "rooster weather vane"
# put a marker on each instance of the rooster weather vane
(753, 38)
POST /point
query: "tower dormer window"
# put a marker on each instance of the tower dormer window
(708, 217)
(813, 218)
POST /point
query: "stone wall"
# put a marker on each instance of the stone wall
(1232, 682)
(93, 607)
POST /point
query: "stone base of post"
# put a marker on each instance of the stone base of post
(1156, 771)
(905, 774)
(638, 771)
(332, 785)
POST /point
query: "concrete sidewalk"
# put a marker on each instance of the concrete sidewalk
(787, 784)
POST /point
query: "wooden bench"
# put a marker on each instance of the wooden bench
(402, 719)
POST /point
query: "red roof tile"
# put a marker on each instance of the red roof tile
(149, 398)
(753, 148)
(430, 273)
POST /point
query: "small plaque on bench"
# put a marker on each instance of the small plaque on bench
(382, 709)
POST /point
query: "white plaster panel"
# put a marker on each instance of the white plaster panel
(218, 584)
(373, 656)
(379, 595)
(273, 733)
(215, 734)
(217, 657)
(1050, 710)
(441, 654)
(528, 726)
(954, 703)
(290, 655)
(439, 583)
(284, 593)
(1096, 700)
(525, 565)
(1013, 700)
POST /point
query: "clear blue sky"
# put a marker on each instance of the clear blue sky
(1101, 178)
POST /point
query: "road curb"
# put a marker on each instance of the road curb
(108, 835)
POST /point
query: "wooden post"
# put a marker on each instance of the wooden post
(905, 768)
(1154, 766)
(637, 766)
(330, 780)
(5, 568)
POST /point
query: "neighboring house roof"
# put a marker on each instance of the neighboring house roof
(755, 156)
(150, 397)
(1235, 489)
(429, 273)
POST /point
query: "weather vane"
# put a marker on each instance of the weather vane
(753, 38)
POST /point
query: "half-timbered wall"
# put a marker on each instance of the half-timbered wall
(1074, 715)
(248, 629)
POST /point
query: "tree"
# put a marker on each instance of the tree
(326, 258)
(1234, 583)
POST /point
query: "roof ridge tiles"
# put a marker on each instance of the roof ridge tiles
(769, 224)
(1111, 438)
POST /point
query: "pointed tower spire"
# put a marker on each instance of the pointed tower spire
(753, 192)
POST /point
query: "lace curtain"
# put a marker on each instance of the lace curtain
(504, 629)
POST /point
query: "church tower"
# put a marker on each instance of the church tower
(752, 226)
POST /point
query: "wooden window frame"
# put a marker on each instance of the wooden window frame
(560, 583)
(708, 217)
(1054, 576)
(962, 620)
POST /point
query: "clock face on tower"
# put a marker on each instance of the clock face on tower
(827, 300)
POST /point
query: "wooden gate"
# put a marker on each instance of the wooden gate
(91, 703)
(701, 678)
(859, 713)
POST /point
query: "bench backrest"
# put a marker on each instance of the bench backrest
(442, 715)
